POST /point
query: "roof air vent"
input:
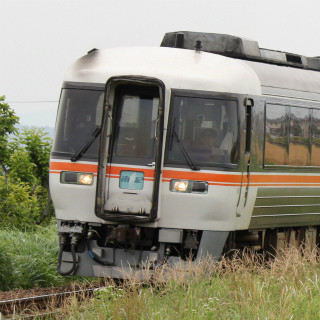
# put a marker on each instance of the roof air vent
(179, 40)
(293, 58)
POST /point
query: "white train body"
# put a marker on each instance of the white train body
(162, 152)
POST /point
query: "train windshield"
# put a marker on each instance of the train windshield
(135, 125)
(79, 117)
(203, 132)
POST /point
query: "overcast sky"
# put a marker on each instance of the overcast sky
(41, 38)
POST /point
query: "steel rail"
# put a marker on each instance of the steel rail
(10, 307)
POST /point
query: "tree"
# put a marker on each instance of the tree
(8, 120)
(19, 207)
(24, 171)
(29, 164)
(36, 145)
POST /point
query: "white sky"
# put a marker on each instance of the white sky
(41, 38)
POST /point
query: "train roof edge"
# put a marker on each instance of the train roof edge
(236, 47)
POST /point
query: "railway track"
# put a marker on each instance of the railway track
(39, 303)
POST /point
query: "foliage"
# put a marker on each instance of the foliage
(24, 186)
(19, 206)
(36, 145)
(8, 120)
(29, 259)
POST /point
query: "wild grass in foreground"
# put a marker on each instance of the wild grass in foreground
(244, 287)
(29, 259)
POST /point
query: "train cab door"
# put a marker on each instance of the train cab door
(133, 145)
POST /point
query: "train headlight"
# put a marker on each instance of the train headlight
(188, 186)
(180, 186)
(86, 178)
(68, 177)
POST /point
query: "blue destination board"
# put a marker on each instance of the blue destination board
(132, 180)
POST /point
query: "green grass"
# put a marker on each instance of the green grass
(241, 288)
(244, 287)
(29, 259)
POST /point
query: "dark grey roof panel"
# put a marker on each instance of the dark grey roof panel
(236, 47)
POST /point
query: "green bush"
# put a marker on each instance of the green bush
(24, 173)
(24, 184)
(19, 207)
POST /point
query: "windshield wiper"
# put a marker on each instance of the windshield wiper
(84, 148)
(184, 152)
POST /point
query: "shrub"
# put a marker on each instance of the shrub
(19, 207)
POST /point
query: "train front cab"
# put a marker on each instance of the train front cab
(163, 178)
(156, 193)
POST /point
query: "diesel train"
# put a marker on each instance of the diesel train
(205, 144)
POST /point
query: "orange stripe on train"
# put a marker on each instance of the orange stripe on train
(218, 177)
(256, 179)
(70, 166)
(55, 167)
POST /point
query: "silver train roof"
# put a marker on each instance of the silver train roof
(203, 61)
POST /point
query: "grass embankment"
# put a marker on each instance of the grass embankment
(29, 259)
(241, 288)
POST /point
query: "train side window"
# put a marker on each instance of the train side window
(315, 150)
(299, 154)
(276, 144)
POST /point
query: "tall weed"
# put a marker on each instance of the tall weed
(29, 259)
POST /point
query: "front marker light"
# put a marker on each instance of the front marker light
(188, 186)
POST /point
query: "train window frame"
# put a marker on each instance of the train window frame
(299, 135)
(310, 107)
(201, 95)
(122, 91)
(284, 136)
(93, 151)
